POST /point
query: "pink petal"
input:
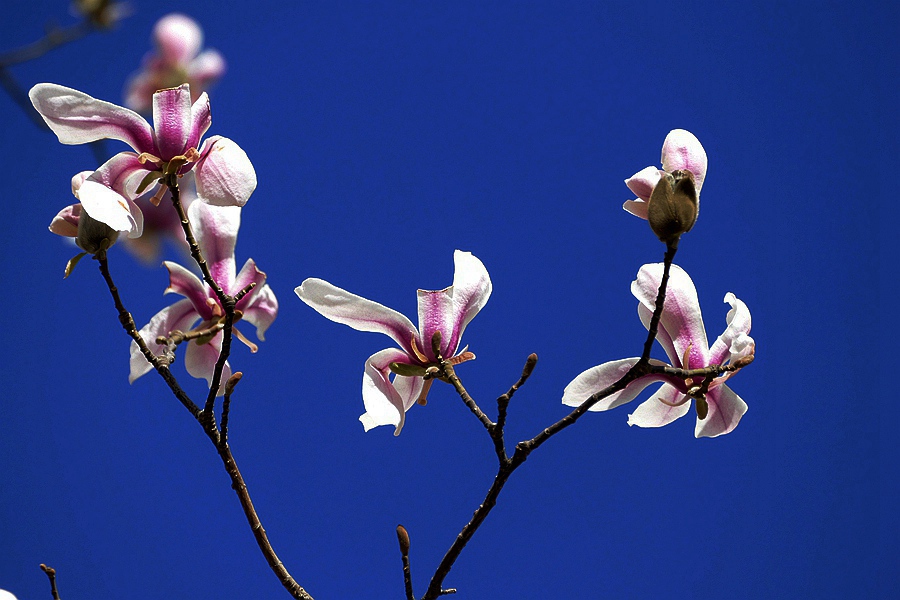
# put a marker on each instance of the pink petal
(172, 121)
(725, 411)
(180, 315)
(185, 283)
(206, 68)
(200, 359)
(201, 119)
(734, 342)
(225, 176)
(602, 376)
(77, 118)
(653, 413)
(681, 317)
(636, 207)
(341, 306)
(178, 38)
(65, 223)
(682, 151)
(643, 182)
(384, 404)
(262, 311)
(450, 310)
(139, 92)
(216, 230)
(249, 273)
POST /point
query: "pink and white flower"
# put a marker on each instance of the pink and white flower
(216, 231)
(447, 311)
(177, 60)
(682, 335)
(681, 151)
(224, 174)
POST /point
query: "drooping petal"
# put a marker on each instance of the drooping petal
(681, 318)
(409, 388)
(201, 119)
(200, 360)
(216, 229)
(384, 405)
(725, 411)
(450, 310)
(172, 120)
(682, 151)
(654, 413)
(65, 222)
(185, 283)
(602, 376)
(77, 118)
(180, 315)
(225, 176)
(734, 341)
(106, 195)
(178, 38)
(262, 311)
(355, 311)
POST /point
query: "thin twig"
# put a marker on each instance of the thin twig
(525, 448)
(51, 575)
(403, 541)
(54, 38)
(496, 431)
(127, 321)
(226, 404)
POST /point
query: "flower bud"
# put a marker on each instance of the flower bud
(94, 236)
(673, 206)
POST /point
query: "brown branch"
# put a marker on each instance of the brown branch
(51, 575)
(226, 404)
(525, 448)
(54, 38)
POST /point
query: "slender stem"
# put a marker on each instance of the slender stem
(525, 448)
(503, 404)
(159, 364)
(51, 575)
(54, 38)
(450, 375)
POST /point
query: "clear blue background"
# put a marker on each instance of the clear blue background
(387, 135)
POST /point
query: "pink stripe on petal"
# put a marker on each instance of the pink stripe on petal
(216, 229)
(201, 119)
(185, 283)
(77, 118)
(172, 122)
(180, 315)
(263, 309)
(738, 325)
(725, 411)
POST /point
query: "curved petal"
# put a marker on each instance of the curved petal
(180, 315)
(681, 318)
(216, 229)
(249, 273)
(178, 38)
(200, 360)
(602, 376)
(106, 194)
(638, 208)
(725, 411)
(201, 119)
(653, 413)
(682, 151)
(733, 343)
(409, 389)
(172, 122)
(185, 283)
(206, 68)
(450, 310)
(262, 311)
(77, 118)
(384, 405)
(643, 182)
(65, 222)
(355, 311)
(225, 176)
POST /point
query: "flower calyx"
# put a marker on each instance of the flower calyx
(673, 206)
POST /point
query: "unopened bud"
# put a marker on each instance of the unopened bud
(743, 361)
(673, 206)
(93, 235)
(403, 538)
(702, 407)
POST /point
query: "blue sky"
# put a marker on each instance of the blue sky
(387, 135)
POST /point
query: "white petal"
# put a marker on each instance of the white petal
(653, 413)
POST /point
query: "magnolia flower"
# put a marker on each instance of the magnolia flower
(682, 335)
(447, 311)
(224, 174)
(216, 231)
(4, 595)
(681, 151)
(177, 60)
